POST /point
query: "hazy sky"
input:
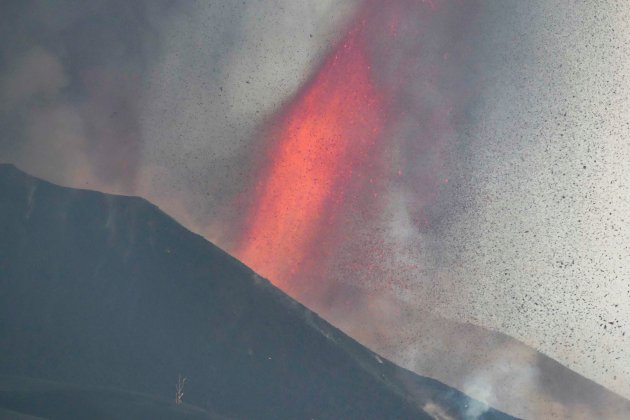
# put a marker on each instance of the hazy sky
(540, 243)
(527, 230)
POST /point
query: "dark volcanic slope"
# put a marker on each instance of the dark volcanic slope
(102, 290)
(36, 399)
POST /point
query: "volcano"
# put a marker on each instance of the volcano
(107, 291)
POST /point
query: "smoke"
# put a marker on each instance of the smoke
(71, 90)
(525, 233)
(224, 71)
(152, 98)
(531, 239)
(502, 372)
(30, 96)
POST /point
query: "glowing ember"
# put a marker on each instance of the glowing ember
(323, 138)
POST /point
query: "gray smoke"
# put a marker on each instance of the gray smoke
(158, 99)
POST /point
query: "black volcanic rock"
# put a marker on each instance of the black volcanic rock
(108, 291)
(36, 399)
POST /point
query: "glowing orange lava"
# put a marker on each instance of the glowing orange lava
(315, 157)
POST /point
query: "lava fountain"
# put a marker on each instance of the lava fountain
(327, 151)
(324, 136)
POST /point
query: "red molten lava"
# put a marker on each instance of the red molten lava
(324, 137)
